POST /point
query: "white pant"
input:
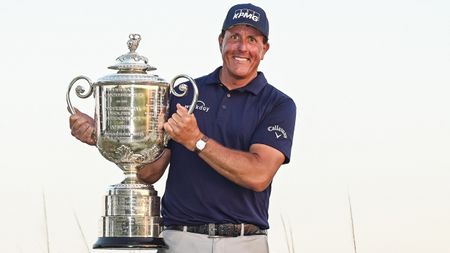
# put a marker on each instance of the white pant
(186, 242)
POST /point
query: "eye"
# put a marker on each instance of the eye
(234, 36)
(252, 39)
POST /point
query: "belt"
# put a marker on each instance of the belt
(220, 230)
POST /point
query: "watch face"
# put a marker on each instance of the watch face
(200, 144)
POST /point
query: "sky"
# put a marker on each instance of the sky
(371, 84)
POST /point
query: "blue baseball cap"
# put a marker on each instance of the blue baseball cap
(247, 14)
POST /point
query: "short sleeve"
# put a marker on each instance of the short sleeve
(277, 128)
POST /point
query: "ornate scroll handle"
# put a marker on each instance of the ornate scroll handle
(183, 88)
(80, 91)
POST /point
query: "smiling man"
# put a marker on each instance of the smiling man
(224, 156)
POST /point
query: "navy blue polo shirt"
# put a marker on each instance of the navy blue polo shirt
(257, 113)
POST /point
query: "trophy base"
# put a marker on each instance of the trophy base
(130, 243)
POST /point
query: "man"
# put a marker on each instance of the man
(224, 156)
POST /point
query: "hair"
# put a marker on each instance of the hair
(265, 40)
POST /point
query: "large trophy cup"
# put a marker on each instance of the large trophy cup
(131, 107)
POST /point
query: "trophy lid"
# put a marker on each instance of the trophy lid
(132, 66)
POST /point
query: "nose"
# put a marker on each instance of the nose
(242, 45)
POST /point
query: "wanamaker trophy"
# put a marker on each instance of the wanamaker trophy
(130, 108)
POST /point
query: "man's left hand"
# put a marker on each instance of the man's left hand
(182, 127)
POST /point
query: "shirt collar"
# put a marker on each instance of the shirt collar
(254, 87)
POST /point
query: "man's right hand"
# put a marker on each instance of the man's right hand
(82, 127)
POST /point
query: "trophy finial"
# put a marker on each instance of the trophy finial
(133, 42)
(132, 62)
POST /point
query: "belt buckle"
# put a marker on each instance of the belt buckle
(212, 231)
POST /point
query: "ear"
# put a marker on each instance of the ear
(220, 39)
(266, 47)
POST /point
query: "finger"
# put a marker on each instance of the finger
(79, 116)
(182, 110)
(78, 123)
(168, 128)
(87, 135)
(83, 128)
(177, 118)
(76, 111)
(79, 131)
(80, 119)
(173, 125)
(72, 119)
(176, 129)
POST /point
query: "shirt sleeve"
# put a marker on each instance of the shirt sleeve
(277, 128)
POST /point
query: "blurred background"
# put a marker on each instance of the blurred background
(370, 80)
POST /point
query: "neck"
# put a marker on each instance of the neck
(232, 82)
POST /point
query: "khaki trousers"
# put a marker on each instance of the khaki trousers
(185, 242)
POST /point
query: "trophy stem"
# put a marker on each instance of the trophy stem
(130, 172)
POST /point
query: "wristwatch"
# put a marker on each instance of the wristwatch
(201, 144)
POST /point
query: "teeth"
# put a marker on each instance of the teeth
(240, 59)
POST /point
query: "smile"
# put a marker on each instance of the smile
(240, 59)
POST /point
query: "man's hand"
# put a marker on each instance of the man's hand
(182, 127)
(82, 127)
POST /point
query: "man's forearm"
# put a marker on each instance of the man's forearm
(152, 172)
(253, 170)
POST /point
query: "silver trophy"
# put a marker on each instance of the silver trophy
(130, 110)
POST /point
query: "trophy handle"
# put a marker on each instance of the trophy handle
(80, 91)
(183, 88)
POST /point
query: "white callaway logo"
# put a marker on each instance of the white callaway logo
(246, 13)
(278, 131)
